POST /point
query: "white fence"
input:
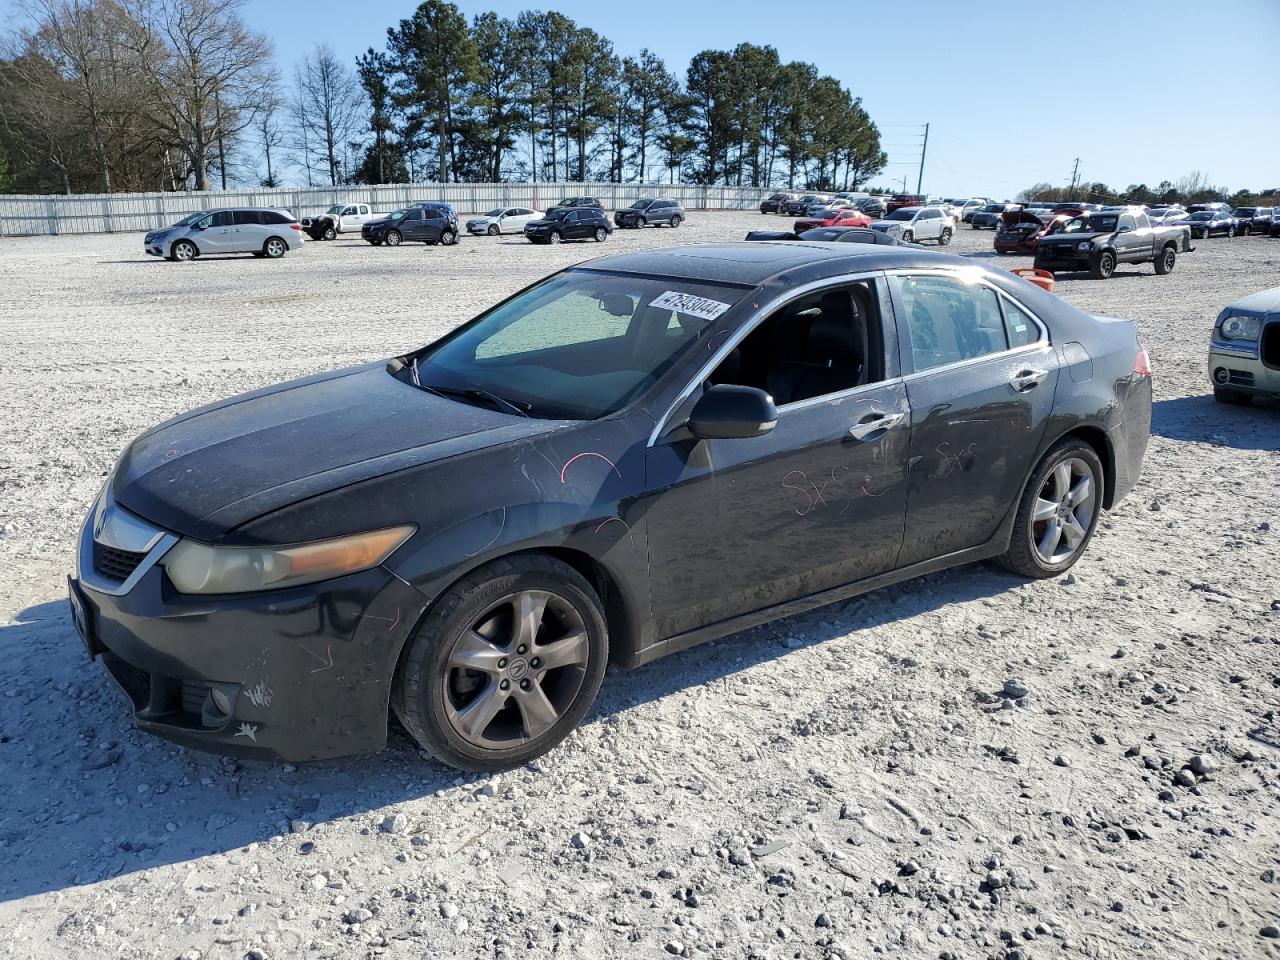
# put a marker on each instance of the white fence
(123, 212)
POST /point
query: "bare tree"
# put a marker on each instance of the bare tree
(328, 108)
(205, 72)
(270, 133)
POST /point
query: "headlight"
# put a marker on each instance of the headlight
(1240, 328)
(1083, 245)
(197, 568)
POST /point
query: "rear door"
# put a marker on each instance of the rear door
(980, 379)
(250, 234)
(433, 223)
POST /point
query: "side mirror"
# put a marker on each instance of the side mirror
(729, 412)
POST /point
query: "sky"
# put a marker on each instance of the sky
(1013, 90)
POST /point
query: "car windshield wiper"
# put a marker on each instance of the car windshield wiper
(474, 394)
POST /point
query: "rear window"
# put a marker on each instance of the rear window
(270, 216)
(243, 217)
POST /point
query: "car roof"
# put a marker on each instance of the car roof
(752, 263)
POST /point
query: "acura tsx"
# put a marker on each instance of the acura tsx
(629, 457)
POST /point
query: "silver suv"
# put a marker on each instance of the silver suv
(261, 231)
(914, 224)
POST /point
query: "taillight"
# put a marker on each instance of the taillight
(296, 226)
(1142, 364)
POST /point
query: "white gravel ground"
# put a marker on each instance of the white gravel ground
(848, 783)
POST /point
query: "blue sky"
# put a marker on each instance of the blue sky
(1013, 91)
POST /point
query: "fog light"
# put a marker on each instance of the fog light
(220, 701)
(1221, 376)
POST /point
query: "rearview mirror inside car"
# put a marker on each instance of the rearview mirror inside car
(727, 411)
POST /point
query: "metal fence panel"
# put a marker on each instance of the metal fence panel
(22, 215)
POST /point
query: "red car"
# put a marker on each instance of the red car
(841, 218)
(1021, 230)
(905, 200)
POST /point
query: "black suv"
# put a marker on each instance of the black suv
(650, 211)
(773, 203)
(569, 223)
(577, 202)
(429, 223)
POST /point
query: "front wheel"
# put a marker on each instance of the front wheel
(1165, 261)
(183, 251)
(394, 238)
(945, 238)
(1058, 512)
(275, 248)
(1231, 232)
(330, 233)
(556, 237)
(505, 666)
(493, 230)
(601, 234)
(449, 238)
(908, 236)
(641, 221)
(1103, 266)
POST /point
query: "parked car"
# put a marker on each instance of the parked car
(1253, 219)
(262, 231)
(1098, 241)
(989, 217)
(340, 218)
(821, 211)
(1021, 230)
(502, 220)
(1207, 223)
(1072, 207)
(914, 224)
(1211, 206)
(799, 207)
(848, 217)
(775, 202)
(900, 200)
(965, 209)
(836, 234)
(1166, 215)
(466, 535)
(1244, 350)
(651, 213)
(578, 202)
(873, 207)
(428, 223)
(569, 223)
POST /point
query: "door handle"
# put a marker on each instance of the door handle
(1028, 379)
(874, 423)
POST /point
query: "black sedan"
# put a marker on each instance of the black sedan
(1208, 223)
(569, 223)
(630, 457)
(834, 235)
(650, 212)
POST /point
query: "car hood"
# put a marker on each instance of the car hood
(1069, 238)
(888, 226)
(209, 471)
(483, 220)
(1258, 304)
(1012, 218)
(380, 222)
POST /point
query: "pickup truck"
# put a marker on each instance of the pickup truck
(340, 218)
(1099, 240)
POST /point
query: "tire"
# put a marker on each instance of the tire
(555, 237)
(330, 233)
(641, 222)
(183, 250)
(601, 234)
(1103, 265)
(475, 623)
(1231, 232)
(1035, 550)
(493, 230)
(1233, 397)
(1166, 260)
(675, 222)
(274, 248)
(449, 238)
(393, 238)
(944, 238)
(908, 236)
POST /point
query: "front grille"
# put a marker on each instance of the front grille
(115, 564)
(1270, 345)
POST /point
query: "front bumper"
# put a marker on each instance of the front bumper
(1245, 371)
(306, 671)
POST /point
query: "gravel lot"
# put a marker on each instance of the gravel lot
(849, 783)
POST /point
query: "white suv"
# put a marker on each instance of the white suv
(914, 224)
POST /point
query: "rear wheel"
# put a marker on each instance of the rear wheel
(506, 664)
(1103, 265)
(1165, 260)
(675, 221)
(183, 250)
(1233, 397)
(394, 238)
(275, 248)
(945, 237)
(1058, 512)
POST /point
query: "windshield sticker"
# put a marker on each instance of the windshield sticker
(686, 303)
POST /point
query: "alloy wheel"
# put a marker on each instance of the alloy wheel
(275, 248)
(516, 670)
(1064, 511)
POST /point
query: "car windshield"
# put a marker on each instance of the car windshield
(903, 213)
(557, 214)
(581, 344)
(640, 204)
(397, 215)
(336, 208)
(1090, 224)
(191, 218)
(1201, 215)
(496, 212)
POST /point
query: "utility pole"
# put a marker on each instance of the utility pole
(923, 148)
(1075, 172)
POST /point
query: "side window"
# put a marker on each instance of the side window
(1020, 329)
(413, 215)
(270, 216)
(364, 209)
(243, 217)
(575, 216)
(223, 218)
(349, 212)
(823, 343)
(1126, 222)
(950, 320)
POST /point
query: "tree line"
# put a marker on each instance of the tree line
(1195, 187)
(134, 95)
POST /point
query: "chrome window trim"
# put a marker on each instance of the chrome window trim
(113, 526)
(1044, 343)
(746, 328)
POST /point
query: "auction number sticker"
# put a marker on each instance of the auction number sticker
(687, 303)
